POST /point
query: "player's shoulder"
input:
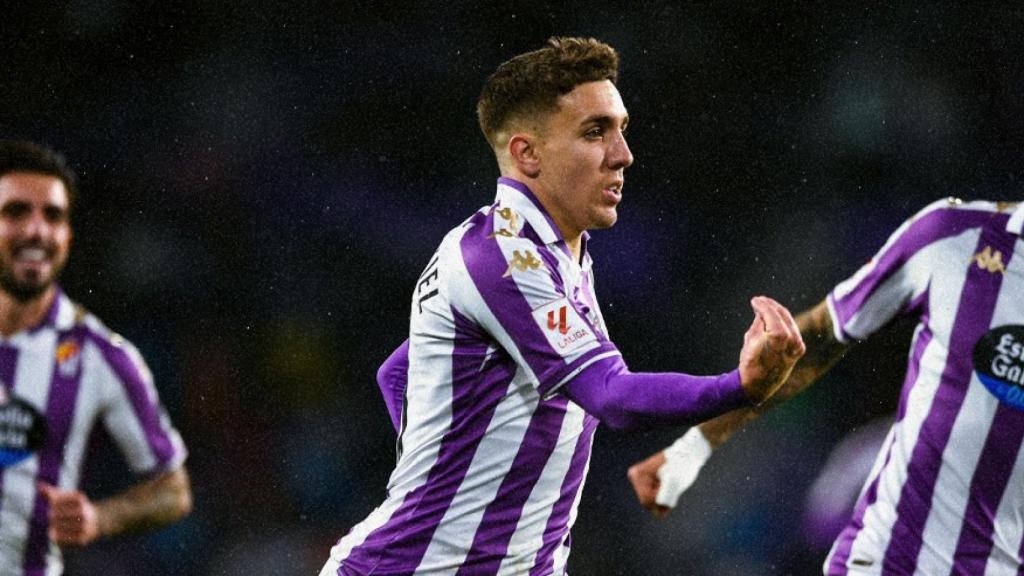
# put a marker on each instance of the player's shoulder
(493, 231)
(113, 346)
(951, 213)
(953, 207)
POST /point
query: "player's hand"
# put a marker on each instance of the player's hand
(644, 478)
(73, 517)
(771, 347)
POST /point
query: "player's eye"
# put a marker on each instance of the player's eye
(594, 133)
(55, 214)
(15, 210)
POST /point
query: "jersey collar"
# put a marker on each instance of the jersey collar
(520, 198)
(61, 314)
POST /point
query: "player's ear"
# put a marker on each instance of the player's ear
(522, 148)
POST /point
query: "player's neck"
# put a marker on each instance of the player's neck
(16, 315)
(575, 245)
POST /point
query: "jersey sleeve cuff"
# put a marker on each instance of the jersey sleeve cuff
(572, 370)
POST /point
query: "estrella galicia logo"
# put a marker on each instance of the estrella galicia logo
(999, 362)
(22, 430)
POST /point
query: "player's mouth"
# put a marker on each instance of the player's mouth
(33, 257)
(613, 193)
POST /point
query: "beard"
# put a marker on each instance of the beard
(25, 290)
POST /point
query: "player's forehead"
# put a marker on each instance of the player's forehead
(600, 99)
(33, 188)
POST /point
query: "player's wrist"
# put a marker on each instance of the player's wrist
(683, 461)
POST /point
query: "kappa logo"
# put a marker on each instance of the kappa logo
(513, 223)
(990, 260)
(522, 263)
(562, 325)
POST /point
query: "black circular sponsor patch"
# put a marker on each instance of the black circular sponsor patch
(999, 362)
(22, 431)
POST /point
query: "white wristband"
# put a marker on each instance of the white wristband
(683, 461)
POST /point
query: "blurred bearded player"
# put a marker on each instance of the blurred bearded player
(61, 371)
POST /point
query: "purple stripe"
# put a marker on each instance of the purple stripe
(8, 366)
(147, 412)
(398, 546)
(60, 410)
(974, 313)
(932, 227)
(8, 363)
(557, 528)
(486, 265)
(987, 487)
(502, 515)
(837, 562)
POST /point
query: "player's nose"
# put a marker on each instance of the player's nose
(36, 225)
(619, 154)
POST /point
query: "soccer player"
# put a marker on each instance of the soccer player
(944, 495)
(61, 372)
(508, 368)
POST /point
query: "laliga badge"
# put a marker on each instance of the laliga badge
(999, 363)
(22, 429)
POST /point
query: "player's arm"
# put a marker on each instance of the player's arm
(392, 377)
(626, 400)
(76, 520)
(661, 478)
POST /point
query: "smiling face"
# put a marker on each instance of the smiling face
(582, 154)
(35, 233)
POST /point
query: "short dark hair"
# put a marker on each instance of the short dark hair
(531, 83)
(22, 156)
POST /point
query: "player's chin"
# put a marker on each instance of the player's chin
(25, 288)
(606, 217)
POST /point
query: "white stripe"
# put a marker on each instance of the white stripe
(86, 408)
(1016, 222)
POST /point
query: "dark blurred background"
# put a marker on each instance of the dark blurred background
(262, 182)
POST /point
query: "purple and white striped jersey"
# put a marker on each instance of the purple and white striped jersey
(946, 493)
(60, 378)
(491, 460)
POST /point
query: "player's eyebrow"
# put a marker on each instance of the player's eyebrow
(603, 120)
